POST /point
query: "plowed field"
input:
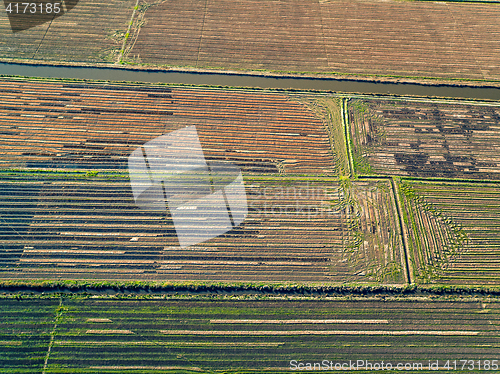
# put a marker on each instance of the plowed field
(92, 32)
(426, 139)
(454, 231)
(80, 227)
(81, 126)
(426, 39)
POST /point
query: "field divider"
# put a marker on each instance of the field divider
(345, 125)
(201, 32)
(52, 335)
(131, 22)
(402, 226)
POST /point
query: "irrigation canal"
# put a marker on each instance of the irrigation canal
(247, 80)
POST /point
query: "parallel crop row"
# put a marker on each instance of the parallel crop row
(92, 32)
(296, 230)
(25, 334)
(426, 139)
(453, 231)
(80, 126)
(424, 39)
(159, 336)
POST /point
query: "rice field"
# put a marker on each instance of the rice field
(97, 126)
(106, 335)
(297, 229)
(362, 37)
(425, 138)
(450, 224)
(453, 231)
(92, 32)
(341, 190)
(351, 38)
(67, 201)
(25, 333)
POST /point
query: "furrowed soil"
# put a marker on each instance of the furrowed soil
(391, 38)
(357, 38)
(68, 202)
(92, 32)
(453, 231)
(107, 335)
(96, 127)
(25, 334)
(340, 190)
(297, 230)
(429, 139)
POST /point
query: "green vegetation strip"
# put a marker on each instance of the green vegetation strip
(174, 333)
(63, 286)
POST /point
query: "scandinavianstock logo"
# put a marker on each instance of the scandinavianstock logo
(205, 199)
(25, 15)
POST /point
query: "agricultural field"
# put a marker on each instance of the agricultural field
(428, 146)
(97, 126)
(428, 139)
(361, 37)
(25, 332)
(297, 230)
(453, 231)
(109, 335)
(364, 38)
(67, 201)
(366, 227)
(92, 32)
(64, 150)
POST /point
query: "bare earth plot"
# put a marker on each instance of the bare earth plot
(385, 38)
(425, 39)
(106, 335)
(92, 32)
(453, 230)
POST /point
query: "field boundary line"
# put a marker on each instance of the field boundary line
(451, 180)
(12, 286)
(201, 32)
(52, 335)
(429, 180)
(43, 38)
(346, 126)
(402, 227)
(423, 99)
(131, 22)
